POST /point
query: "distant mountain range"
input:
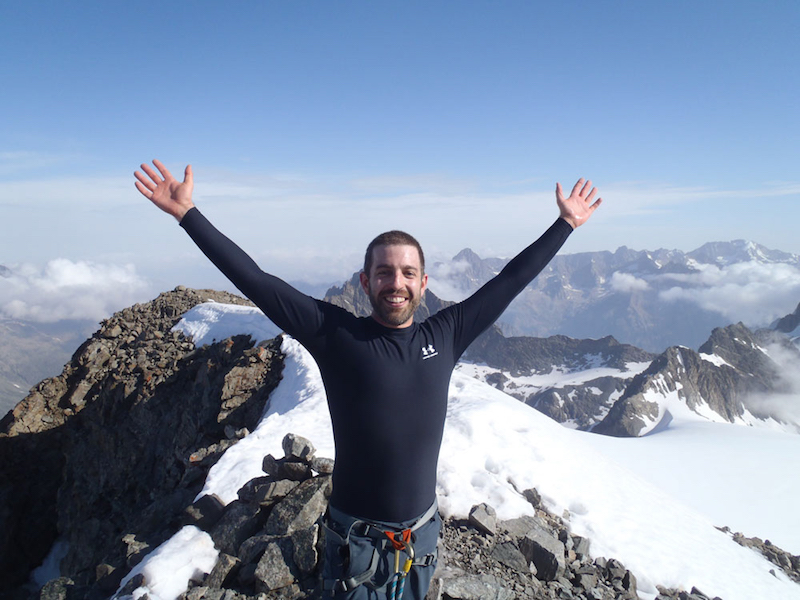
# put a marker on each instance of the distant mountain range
(640, 297)
(624, 307)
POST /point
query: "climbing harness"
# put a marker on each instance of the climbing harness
(401, 542)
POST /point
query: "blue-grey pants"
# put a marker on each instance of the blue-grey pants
(351, 545)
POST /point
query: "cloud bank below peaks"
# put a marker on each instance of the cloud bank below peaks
(784, 405)
(65, 289)
(753, 292)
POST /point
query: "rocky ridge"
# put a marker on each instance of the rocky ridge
(123, 437)
(717, 380)
(789, 323)
(588, 401)
(270, 542)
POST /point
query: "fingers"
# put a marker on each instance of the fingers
(144, 185)
(151, 173)
(144, 180)
(576, 187)
(581, 190)
(146, 192)
(162, 169)
(586, 192)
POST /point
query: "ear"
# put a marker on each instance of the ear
(423, 285)
(364, 282)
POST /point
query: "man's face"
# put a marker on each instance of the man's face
(395, 284)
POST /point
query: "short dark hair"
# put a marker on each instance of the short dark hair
(392, 238)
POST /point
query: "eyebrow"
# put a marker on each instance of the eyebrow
(402, 267)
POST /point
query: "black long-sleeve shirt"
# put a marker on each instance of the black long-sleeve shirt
(386, 388)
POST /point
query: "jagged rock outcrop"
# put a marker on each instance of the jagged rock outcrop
(124, 436)
(729, 367)
(789, 323)
(530, 355)
(787, 562)
(270, 543)
(582, 404)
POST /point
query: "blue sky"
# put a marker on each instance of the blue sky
(313, 126)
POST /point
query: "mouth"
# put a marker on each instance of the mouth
(395, 301)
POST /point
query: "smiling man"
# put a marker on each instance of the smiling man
(386, 377)
(394, 278)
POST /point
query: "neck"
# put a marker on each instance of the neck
(378, 320)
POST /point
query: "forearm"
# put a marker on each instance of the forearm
(234, 262)
(483, 308)
(524, 267)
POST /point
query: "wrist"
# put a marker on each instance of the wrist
(181, 211)
(571, 222)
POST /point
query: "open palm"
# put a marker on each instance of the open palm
(578, 207)
(162, 189)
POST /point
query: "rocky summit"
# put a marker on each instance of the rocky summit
(121, 441)
(107, 461)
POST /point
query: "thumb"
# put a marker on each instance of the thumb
(188, 178)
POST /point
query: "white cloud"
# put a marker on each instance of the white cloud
(752, 292)
(428, 182)
(784, 406)
(643, 197)
(625, 282)
(13, 162)
(444, 279)
(64, 289)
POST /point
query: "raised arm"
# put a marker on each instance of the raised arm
(291, 310)
(483, 308)
(163, 190)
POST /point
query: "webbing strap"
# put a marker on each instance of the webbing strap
(426, 516)
(351, 583)
(379, 534)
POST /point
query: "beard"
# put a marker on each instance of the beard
(393, 316)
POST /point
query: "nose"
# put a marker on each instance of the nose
(399, 281)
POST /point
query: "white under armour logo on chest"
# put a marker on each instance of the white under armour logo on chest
(428, 352)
